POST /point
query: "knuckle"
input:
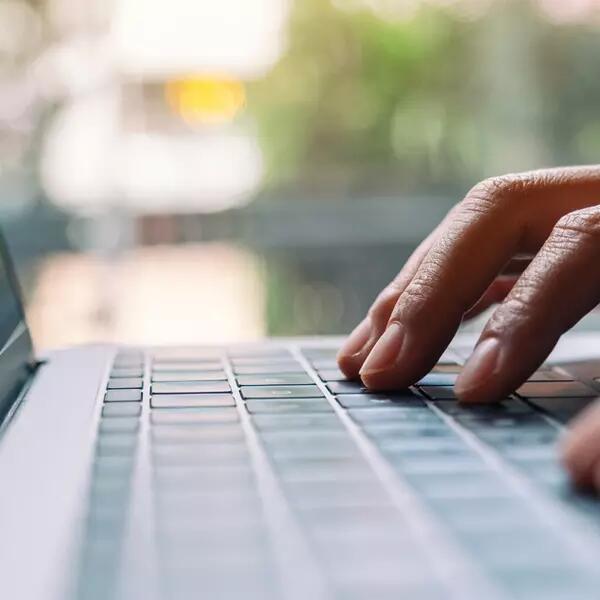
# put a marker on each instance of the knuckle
(579, 224)
(494, 193)
(516, 313)
(414, 299)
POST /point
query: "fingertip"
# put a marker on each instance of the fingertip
(350, 364)
(355, 349)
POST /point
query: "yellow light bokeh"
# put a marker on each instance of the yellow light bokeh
(206, 99)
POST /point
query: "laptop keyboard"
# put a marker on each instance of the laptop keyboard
(268, 475)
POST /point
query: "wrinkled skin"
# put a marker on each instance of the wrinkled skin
(530, 242)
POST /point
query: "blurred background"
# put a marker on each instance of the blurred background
(188, 171)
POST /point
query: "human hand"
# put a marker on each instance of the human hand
(552, 217)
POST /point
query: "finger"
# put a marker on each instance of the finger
(498, 219)
(581, 448)
(479, 241)
(360, 342)
(560, 286)
(497, 291)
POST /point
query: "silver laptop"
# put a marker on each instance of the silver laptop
(259, 472)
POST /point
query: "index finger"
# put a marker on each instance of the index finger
(490, 227)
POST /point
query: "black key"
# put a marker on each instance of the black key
(549, 375)
(332, 375)
(123, 425)
(113, 444)
(356, 387)
(187, 366)
(317, 422)
(126, 373)
(122, 409)
(562, 409)
(263, 361)
(195, 416)
(288, 368)
(383, 414)
(126, 384)
(376, 400)
(446, 379)
(241, 353)
(275, 379)
(296, 391)
(193, 454)
(191, 400)
(320, 352)
(288, 406)
(509, 407)
(191, 388)
(181, 376)
(181, 434)
(441, 392)
(324, 363)
(123, 396)
(556, 389)
(124, 361)
(186, 355)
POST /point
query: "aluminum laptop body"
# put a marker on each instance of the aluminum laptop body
(258, 472)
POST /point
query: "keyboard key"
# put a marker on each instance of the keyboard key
(288, 368)
(200, 453)
(288, 406)
(508, 407)
(383, 414)
(263, 361)
(122, 409)
(191, 400)
(125, 384)
(126, 373)
(332, 494)
(549, 375)
(556, 389)
(319, 352)
(187, 366)
(296, 391)
(258, 352)
(191, 388)
(123, 425)
(318, 422)
(274, 379)
(133, 362)
(445, 379)
(182, 376)
(332, 469)
(441, 392)
(459, 485)
(562, 409)
(324, 363)
(332, 375)
(206, 416)
(401, 447)
(181, 434)
(116, 445)
(377, 400)
(123, 396)
(295, 445)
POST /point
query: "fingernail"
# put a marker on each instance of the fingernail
(385, 352)
(482, 365)
(357, 339)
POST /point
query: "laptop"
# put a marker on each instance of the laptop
(259, 472)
